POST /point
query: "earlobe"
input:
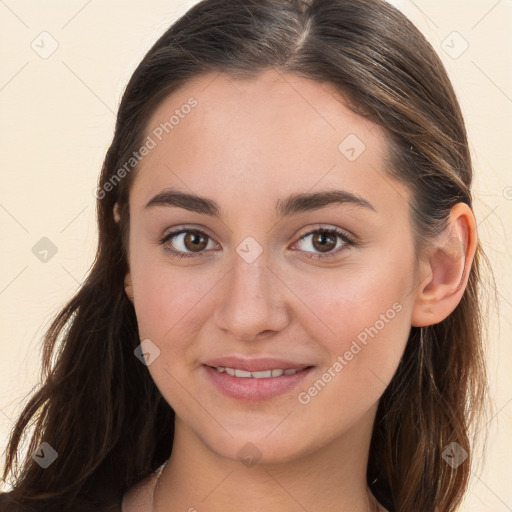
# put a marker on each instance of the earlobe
(128, 286)
(446, 269)
(127, 280)
(117, 217)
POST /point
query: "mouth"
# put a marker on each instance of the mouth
(264, 374)
(255, 386)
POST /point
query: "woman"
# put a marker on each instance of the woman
(283, 311)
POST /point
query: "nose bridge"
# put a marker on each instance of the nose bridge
(249, 270)
(251, 294)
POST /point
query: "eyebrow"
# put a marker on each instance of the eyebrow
(293, 204)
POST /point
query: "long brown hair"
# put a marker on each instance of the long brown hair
(98, 406)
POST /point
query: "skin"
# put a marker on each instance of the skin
(246, 145)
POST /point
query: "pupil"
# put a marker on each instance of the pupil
(322, 238)
(196, 239)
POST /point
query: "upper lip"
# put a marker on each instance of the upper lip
(255, 364)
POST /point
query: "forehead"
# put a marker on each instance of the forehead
(271, 135)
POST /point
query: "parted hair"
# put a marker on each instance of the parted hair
(98, 406)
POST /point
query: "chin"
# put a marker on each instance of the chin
(258, 446)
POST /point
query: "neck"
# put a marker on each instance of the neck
(196, 478)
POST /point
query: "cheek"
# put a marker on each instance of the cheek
(168, 304)
(362, 314)
(169, 301)
(365, 327)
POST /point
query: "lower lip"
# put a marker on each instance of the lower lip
(251, 389)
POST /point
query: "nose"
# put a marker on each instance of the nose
(253, 303)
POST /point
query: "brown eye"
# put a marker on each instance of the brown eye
(186, 242)
(324, 242)
(194, 241)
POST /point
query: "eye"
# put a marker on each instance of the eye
(186, 243)
(184, 240)
(326, 240)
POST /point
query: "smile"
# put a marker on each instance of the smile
(255, 386)
(235, 372)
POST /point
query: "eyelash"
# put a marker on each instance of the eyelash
(348, 241)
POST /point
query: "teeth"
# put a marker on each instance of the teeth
(235, 372)
(263, 374)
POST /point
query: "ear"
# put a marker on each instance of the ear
(445, 269)
(127, 280)
(117, 217)
(128, 286)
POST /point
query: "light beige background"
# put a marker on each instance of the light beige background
(57, 119)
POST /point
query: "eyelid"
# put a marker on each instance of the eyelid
(331, 229)
(347, 238)
(180, 230)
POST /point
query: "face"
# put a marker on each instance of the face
(258, 276)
